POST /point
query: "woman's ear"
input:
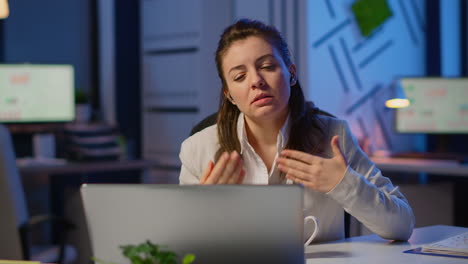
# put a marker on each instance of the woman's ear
(229, 97)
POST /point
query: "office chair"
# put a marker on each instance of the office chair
(211, 120)
(15, 224)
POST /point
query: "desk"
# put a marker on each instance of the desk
(85, 167)
(443, 167)
(452, 172)
(41, 174)
(59, 190)
(44, 182)
(373, 249)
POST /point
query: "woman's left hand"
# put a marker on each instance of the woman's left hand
(317, 173)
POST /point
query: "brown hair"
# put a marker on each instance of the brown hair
(306, 131)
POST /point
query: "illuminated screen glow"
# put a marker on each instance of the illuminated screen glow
(32, 93)
(437, 105)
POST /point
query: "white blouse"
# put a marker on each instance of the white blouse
(363, 192)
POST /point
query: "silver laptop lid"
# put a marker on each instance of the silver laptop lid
(219, 224)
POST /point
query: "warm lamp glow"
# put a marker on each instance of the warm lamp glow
(4, 12)
(397, 103)
(398, 97)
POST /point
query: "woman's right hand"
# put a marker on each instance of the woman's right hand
(228, 170)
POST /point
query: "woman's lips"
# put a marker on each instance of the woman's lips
(262, 99)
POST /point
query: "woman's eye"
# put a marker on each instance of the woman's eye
(239, 77)
(268, 67)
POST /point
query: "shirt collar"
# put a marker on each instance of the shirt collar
(241, 133)
(281, 140)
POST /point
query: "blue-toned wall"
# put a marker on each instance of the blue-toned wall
(50, 32)
(450, 38)
(350, 75)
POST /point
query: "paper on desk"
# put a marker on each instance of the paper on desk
(4, 261)
(455, 245)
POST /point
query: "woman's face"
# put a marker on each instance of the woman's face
(257, 79)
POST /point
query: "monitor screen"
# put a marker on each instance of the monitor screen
(437, 106)
(36, 93)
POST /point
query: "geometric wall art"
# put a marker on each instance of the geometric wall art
(356, 50)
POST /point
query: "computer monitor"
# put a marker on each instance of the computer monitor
(36, 93)
(437, 106)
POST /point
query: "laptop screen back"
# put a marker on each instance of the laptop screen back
(219, 224)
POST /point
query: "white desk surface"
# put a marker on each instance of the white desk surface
(442, 167)
(375, 250)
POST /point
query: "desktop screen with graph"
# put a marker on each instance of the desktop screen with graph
(36, 93)
(437, 106)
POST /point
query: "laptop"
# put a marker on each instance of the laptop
(218, 223)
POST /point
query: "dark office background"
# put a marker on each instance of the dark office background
(71, 36)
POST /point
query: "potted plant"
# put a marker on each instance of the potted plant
(149, 253)
(82, 107)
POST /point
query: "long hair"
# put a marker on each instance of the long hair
(306, 131)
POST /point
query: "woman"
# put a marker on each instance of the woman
(267, 134)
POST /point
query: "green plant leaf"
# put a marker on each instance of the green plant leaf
(167, 257)
(189, 258)
(149, 253)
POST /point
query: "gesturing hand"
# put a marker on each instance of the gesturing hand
(228, 170)
(314, 172)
